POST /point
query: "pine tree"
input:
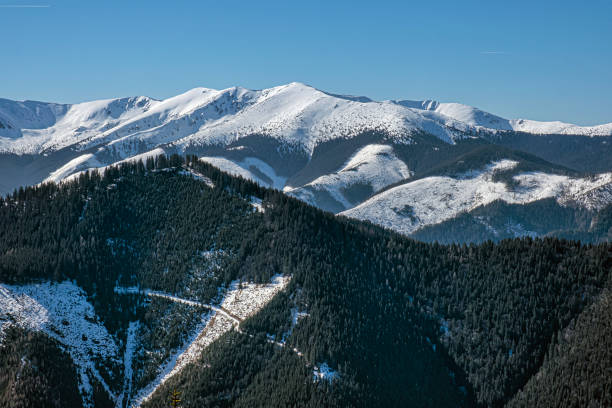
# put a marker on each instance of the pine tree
(175, 399)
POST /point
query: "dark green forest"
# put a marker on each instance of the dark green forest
(404, 323)
(35, 372)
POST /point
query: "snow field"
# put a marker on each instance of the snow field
(432, 200)
(295, 113)
(374, 165)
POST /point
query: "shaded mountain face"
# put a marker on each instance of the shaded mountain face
(171, 275)
(339, 153)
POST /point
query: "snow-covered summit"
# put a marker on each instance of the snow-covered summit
(295, 113)
(33, 127)
(480, 119)
(338, 152)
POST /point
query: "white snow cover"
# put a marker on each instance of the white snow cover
(432, 200)
(34, 127)
(244, 299)
(298, 114)
(240, 301)
(532, 126)
(88, 162)
(477, 118)
(245, 168)
(61, 310)
(375, 165)
(74, 167)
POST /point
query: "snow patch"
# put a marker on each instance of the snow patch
(61, 310)
(249, 169)
(257, 204)
(245, 299)
(324, 372)
(128, 372)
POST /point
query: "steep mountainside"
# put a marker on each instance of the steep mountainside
(333, 151)
(450, 192)
(577, 368)
(483, 120)
(181, 277)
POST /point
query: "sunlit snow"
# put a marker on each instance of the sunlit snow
(62, 311)
(432, 200)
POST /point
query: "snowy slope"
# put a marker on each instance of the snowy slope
(476, 118)
(62, 311)
(35, 127)
(431, 200)
(15, 116)
(271, 136)
(296, 117)
(532, 126)
(374, 165)
(297, 114)
(89, 162)
(250, 168)
(240, 301)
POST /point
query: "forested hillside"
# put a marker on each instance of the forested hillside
(35, 372)
(577, 368)
(369, 317)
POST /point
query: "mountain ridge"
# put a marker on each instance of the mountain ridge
(466, 114)
(332, 151)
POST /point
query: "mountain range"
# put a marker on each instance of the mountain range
(168, 277)
(413, 166)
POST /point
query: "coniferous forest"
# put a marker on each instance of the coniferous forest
(522, 322)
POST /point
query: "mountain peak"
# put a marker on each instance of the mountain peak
(295, 113)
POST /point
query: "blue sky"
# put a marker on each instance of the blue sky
(543, 60)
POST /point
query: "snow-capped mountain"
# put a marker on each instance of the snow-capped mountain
(295, 113)
(333, 151)
(477, 118)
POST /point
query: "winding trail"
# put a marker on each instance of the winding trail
(217, 309)
(220, 310)
(241, 301)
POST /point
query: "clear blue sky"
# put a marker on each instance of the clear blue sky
(544, 60)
